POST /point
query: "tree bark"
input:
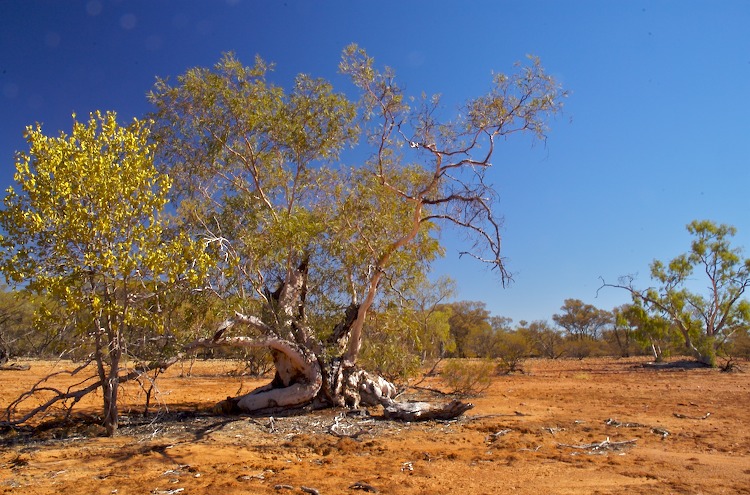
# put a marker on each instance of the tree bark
(110, 391)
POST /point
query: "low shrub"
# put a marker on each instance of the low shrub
(468, 377)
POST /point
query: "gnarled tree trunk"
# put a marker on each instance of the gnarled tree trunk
(306, 374)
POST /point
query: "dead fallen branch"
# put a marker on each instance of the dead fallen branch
(343, 429)
(359, 485)
(156, 491)
(553, 430)
(660, 431)
(494, 436)
(617, 424)
(600, 446)
(424, 411)
(15, 367)
(683, 416)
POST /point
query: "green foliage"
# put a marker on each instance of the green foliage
(704, 320)
(17, 333)
(582, 321)
(738, 346)
(251, 157)
(402, 338)
(651, 331)
(391, 346)
(511, 348)
(87, 217)
(468, 376)
(581, 348)
(544, 340)
(434, 334)
(84, 231)
(255, 170)
(470, 328)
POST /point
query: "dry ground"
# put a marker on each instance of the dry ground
(565, 427)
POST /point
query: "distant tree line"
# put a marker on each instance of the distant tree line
(403, 340)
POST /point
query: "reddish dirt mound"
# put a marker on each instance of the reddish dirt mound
(565, 427)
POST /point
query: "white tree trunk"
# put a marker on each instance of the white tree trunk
(292, 396)
(298, 374)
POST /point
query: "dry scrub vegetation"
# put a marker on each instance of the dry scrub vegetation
(599, 426)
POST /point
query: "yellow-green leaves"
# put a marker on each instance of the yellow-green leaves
(519, 102)
(706, 316)
(84, 224)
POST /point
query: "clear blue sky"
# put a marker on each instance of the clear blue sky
(656, 131)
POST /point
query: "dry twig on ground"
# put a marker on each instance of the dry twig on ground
(600, 446)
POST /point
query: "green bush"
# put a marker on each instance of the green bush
(511, 348)
(582, 348)
(468, 377)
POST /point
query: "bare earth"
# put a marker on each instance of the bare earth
(601, 426)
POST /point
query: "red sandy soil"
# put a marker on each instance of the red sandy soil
(599, 426)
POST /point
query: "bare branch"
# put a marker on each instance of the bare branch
(71, 394)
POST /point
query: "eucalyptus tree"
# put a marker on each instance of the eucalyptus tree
(705, 320)
(470, 328)
(545, 340)
(581, 320)
(309, 247)
(651, 331)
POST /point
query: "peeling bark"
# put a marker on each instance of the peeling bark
(365, 389)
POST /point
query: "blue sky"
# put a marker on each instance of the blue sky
(655, 132)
